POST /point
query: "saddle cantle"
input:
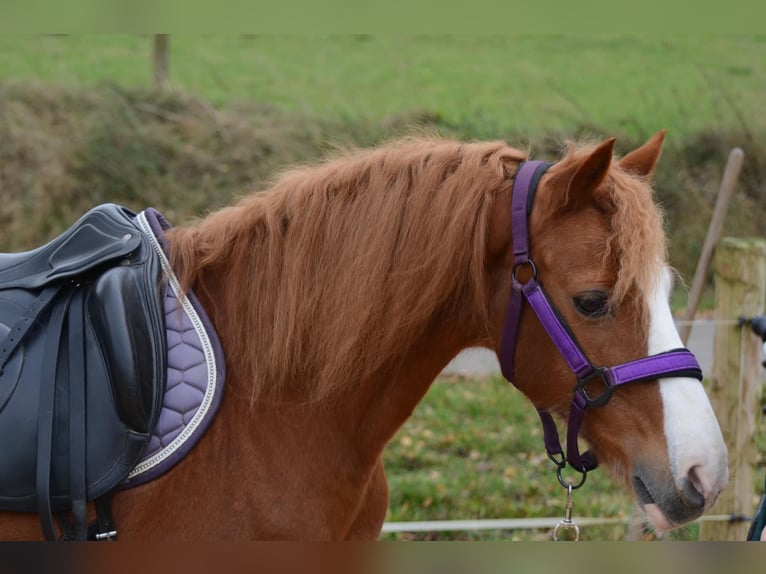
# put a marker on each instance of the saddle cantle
(82, 365)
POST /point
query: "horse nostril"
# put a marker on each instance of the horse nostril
(695, 481)
(693, 492)
(702, 486)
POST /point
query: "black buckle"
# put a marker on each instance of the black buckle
(603, 375)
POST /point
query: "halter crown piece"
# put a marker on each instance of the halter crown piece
(675, 363)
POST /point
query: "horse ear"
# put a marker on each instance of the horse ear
(642, 160)
(583, 176)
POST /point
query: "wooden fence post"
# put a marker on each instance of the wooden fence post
(735, 387)
(725, 193)
(160, 57)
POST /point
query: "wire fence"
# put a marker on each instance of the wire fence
(526, 523)
(737, 322)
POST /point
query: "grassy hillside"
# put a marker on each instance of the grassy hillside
(63, 150)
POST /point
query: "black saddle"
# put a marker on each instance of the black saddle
(82, 366)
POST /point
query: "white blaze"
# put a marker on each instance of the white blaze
(695, 444)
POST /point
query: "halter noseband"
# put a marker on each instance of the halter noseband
(675, 363)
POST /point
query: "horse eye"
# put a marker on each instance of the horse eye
(592, 304)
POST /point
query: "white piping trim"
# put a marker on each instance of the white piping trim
(207, 349)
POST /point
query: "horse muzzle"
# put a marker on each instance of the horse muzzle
(670, 503)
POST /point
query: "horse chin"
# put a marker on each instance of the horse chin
(657, 518)
(666, 506)
(653, 512)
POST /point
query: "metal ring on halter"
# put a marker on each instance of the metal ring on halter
(560, 463)
(568, 483)
(517, 265)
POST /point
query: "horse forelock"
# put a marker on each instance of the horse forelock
(334, 272)
(636, 238)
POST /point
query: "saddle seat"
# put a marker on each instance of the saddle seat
(82, 365)
(95, 238)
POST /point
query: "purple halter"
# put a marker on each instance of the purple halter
(675, 363)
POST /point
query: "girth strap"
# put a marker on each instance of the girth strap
(46, 416)
(69, 307)
(102, 529)
(77, 439)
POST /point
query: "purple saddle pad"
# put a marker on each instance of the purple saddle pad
(196, 369)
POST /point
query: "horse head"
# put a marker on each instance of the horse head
(596, 246)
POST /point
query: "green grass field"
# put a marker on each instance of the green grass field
(487, 86)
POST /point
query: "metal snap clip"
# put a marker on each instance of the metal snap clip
(567, 524)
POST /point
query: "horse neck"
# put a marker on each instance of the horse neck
(368, 411)
(384, 403)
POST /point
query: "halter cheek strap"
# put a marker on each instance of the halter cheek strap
(525, 182)
(595, 384)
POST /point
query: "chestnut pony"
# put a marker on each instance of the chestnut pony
(342, 292)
